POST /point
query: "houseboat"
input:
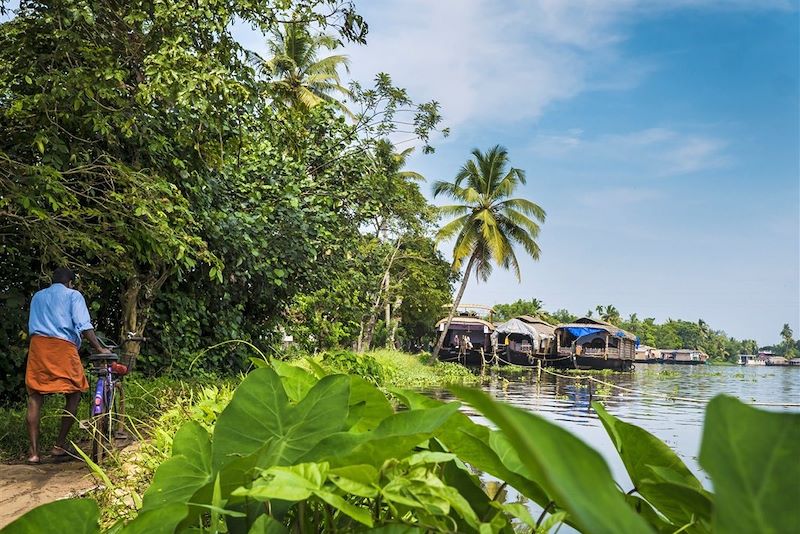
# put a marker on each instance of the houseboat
(594, 344)
(523, 340)
(647, 354)
(684, 356)
(468, 338)
(751, 359)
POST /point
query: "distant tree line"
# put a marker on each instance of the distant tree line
(671, 334)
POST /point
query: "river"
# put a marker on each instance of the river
(565, 400)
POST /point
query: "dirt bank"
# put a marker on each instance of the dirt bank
(23, 487)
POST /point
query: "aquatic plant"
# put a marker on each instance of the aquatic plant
(303, 450)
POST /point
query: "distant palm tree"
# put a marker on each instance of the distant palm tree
(297, 77)
(609, 313)
(487, 221)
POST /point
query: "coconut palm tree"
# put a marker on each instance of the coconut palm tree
(297, 76)
(488, 222)
(609, 314)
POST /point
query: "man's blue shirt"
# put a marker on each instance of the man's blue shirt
(58, 311)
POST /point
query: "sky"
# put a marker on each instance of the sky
(660, 136)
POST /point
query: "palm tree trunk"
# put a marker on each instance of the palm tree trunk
(456, 302)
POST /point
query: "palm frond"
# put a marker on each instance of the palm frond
(450, 229)
(521, 220)
(453, 210)
(519, 235)
(524, 206)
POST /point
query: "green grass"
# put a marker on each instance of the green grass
(404, 370)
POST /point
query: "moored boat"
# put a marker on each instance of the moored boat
(594, 344)
(468, 339)
(523, 340)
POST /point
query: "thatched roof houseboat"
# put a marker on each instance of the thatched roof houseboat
(594, 344)
(523, 339)
(468, 339)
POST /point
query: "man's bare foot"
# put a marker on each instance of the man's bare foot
(34, 459)
(64, 454)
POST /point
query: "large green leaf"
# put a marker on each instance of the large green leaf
(297, 382)
(260, 419)
(188, 470)
(395, 437)
(480, 447)
(575, 475)
(657, 473)
(368, 406)
(76, 516)
(360, 480)
(753, 457)
(161, 520)
(264, 524)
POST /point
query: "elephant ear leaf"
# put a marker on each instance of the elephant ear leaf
(260, 419)
(188, 470)
(76, 516)
(752, 458)
(573, 474)
(657, 473)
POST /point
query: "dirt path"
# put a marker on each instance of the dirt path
(23, 487)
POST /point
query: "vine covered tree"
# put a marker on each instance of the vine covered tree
(487, 222)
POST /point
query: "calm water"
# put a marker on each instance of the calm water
(565, 401)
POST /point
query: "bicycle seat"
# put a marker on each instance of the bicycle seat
(103, 357)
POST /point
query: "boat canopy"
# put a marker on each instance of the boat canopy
(515, 326)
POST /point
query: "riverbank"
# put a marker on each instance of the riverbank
(344, 450)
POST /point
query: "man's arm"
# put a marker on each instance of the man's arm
(89, 334)
(81, 319)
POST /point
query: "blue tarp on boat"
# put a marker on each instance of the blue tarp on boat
(580, 331)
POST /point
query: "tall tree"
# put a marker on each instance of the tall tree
(504, 312)
(788, 347)
(296, 75)
(488, 222)
(609, 313)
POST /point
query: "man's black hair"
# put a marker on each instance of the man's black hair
(62, 275)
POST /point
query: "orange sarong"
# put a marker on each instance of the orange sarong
(54, 366)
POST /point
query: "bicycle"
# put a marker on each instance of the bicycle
(108, 404)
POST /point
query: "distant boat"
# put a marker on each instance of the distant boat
(468, 339)
(684, 356)
(594, 344)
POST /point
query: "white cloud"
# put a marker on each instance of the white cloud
(499, 62)
(648, 153)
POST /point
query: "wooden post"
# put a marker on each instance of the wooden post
(606, 345)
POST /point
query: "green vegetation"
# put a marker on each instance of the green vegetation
(155, 407)
(205, 194)
(328, 452)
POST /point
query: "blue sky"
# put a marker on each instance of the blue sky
(661, 137)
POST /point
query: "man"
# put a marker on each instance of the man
(58, 319)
